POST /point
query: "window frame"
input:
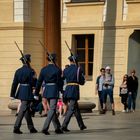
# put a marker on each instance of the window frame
(86, 51)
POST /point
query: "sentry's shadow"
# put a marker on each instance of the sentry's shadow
(9, 124)
(96, 130)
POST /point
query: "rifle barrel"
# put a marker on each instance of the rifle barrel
(71, 53)
(47, 52)
(44, 47)
(68, 46)
(17, 46)
(25, 61)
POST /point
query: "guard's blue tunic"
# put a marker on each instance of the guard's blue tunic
(73, 76)
(24, 78)
(51, 75)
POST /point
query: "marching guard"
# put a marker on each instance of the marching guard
(74, 77)
(24, 78)
(51, 75)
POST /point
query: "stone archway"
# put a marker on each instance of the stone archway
(134, 57)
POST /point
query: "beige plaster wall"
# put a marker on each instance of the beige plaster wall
(6, 11)
(27, 35)
(32, 46)
(111, 40)
(84, 14)
(133, 10)
(9, 59)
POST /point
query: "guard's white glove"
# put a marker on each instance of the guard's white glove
(36, 97)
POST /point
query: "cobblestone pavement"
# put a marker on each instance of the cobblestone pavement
(122, 126)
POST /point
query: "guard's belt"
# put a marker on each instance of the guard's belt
(50, 84)
(72, 84)
(24, 84)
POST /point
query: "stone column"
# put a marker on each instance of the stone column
(53, 27)
(119, 11)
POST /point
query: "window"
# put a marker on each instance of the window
(22, 10)
(85, 51)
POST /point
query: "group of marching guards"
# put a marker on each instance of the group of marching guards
(53, 77)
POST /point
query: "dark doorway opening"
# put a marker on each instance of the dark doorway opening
(134, 58)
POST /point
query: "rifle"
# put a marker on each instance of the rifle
(49, 55)
(71, 53)
(24, 58)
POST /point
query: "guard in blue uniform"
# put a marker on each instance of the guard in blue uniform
(51, 75)
(74, 77)
(24, 78)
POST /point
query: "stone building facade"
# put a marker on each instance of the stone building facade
(101, 32)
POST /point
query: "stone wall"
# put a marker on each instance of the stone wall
(13, 27)
(112, 23)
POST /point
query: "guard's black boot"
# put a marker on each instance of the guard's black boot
(45, 132)
(83, 127)
(58, 131)
(65, 129)
(33, 130)
(17, 131)
(103, 111)
(113, 112)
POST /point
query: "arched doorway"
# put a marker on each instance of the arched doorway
(134, 58)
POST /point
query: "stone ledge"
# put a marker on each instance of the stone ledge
(85, 107)
(13, 105)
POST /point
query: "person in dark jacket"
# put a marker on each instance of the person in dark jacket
(25, 79)
(51, 75)
(74, 77)
(132, 91)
